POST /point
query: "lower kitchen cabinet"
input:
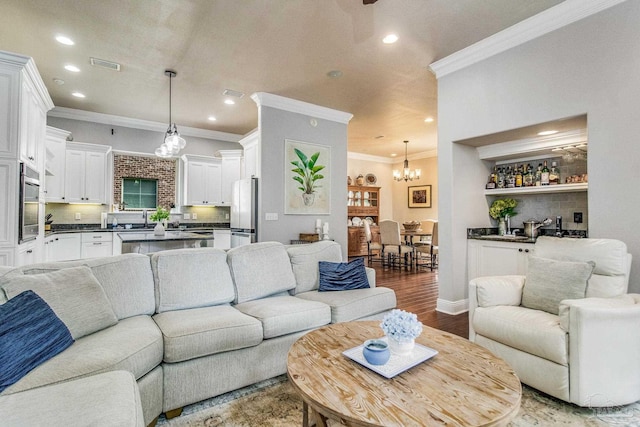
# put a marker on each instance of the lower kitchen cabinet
(222, 239)
(489, 258)
(29, 253)
(97, 244)
(62, 247)
(357, 240)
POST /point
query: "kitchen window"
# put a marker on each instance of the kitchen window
(138, 193)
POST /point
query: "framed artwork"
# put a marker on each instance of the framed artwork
(420, 196)
(307, 178)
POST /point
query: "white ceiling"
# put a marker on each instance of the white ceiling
(284, 47)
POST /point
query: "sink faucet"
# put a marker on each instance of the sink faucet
(508, 218)
(144, 215)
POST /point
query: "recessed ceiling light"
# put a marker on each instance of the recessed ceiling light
(334, 74)
(65, 40)
(229, 101)
(547, 132)
(428, 119)
(58, 81)
(72, 68)
(78, 94)
(390, 38)
(393, 154)
(212, 119)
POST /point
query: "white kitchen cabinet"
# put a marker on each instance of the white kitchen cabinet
(230, 173)
(97, 244)
(222, 239)
(85, 173)
(29, 253)
(251, 155)
(56, 147)
(32, 126)
(202, 181)
(492, 258)
(63, 247)
(6, 257)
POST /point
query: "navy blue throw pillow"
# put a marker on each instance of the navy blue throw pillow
(30, 334)
(342, 276)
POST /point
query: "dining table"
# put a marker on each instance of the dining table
(410, 234)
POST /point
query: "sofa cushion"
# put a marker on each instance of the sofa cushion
(190, 278)
(609, 255)
(108, 399)
(354, 304)
(198, 332)
(532, 331)
(305, 259)
(550, 281)
(285, 314)
(133, 344)
(74, 294)
(342, 276)
(30, 334)
(260, 270)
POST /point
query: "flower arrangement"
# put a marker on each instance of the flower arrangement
(159, 215)
(401, 325)
(502, 208)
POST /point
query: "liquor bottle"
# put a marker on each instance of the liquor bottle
(491, 183)
(528, 176)
(510, 178)
(518, 173)
(539, 175)
(554, 174)
(501, 178)
(544, 176)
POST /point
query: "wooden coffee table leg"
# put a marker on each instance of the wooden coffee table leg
(317, 418)
(321, 420)
(305, 414)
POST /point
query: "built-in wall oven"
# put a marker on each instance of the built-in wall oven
(29, 209)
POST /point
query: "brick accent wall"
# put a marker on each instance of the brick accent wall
(164, 170)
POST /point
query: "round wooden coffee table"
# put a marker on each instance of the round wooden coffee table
(463, 385)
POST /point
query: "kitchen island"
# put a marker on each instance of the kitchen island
(147, 242)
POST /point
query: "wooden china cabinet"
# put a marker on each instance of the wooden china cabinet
(362, 202)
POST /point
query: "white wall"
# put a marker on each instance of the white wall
(276, 125)
(429, 176)
(591, 67)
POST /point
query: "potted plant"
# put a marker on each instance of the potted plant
(401, 329)
(500, 209)
(307, 175)
(161, 215)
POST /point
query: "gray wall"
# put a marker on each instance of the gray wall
(591, 67)
(136, 140)
(275, 126)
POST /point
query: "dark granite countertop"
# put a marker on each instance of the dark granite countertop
(86, 228)
(491, 233)
(148, 236)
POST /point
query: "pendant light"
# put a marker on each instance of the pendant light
(173, 142)
(407, 174)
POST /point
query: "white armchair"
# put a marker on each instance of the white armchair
(588, 353)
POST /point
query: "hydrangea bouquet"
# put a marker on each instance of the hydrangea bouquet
(502, 207)
(401, 325)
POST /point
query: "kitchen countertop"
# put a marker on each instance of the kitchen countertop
(148, 236)
(87, 228)
(491, 233)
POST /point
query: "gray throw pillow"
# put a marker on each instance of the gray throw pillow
(74, 294)
(550, 281)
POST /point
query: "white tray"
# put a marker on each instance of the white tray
(397, 363)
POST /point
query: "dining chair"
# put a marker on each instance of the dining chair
(371, 245)
(426, 226)
(393, 247)
(427, 254)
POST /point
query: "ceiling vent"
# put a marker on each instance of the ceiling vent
(231, 92)
(105, 64)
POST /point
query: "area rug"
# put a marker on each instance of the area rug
(274, 403)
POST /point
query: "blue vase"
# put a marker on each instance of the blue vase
(376, 352)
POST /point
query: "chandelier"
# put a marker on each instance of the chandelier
(406, 174)
(173, 142)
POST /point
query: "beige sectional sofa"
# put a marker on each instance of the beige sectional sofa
(195, 323)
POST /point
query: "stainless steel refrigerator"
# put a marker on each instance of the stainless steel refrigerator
(244, 212)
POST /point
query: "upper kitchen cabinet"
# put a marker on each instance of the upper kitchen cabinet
(55, 148)
(230, 173)
(251, 155)
(202, 181)
(85, 176)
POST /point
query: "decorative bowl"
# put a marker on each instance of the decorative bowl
(376, 351)
(411, 226)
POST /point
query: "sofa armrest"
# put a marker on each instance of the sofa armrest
(371, 276)
(604, 343)
(493, 290)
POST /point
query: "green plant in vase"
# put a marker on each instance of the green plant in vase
(501, 209)
(160, 216)
(306, 174)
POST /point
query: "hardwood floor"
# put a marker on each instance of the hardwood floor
(417, 292)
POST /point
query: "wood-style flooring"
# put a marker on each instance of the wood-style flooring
(417, 292)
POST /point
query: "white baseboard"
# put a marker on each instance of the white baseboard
(452, 307)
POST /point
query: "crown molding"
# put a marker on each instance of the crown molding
(531, 28)
(108, 119)
(531, 145)
(301, 107)
(27, 64)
